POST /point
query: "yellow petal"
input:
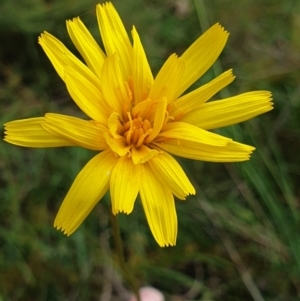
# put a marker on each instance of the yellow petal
(171, 175)
(143, 154)
(117, 145)
(201, 55)
(86, 191)
(141, 73)
(232, 152)
(114, 36)
(114, 125)
(87, 96)
(114, 87)
(143, 109)
(159, 207)
(124, 185)
(30, 133)
(61, 57)
(184, 132)
(168, 79)
(159, 118)
(232, 110)
(86, 45)
(193, 100)
(81, 132)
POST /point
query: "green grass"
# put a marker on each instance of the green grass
(238, 237)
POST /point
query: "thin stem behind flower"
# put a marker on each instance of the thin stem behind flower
(119, 249)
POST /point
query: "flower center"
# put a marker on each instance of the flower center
(136, 130)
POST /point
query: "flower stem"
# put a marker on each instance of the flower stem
(119, 249)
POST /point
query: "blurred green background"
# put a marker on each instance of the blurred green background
(238, 238)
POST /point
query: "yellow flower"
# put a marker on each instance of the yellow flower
(136, 121)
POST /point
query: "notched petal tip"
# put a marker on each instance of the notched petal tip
(75, 19)
(61, 229)
(67, 230)
(230, 72)
(166, 245)
(41, 35)
(124, 211)
(44, 35)
(222, 28)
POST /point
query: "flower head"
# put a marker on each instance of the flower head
(137, 122)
